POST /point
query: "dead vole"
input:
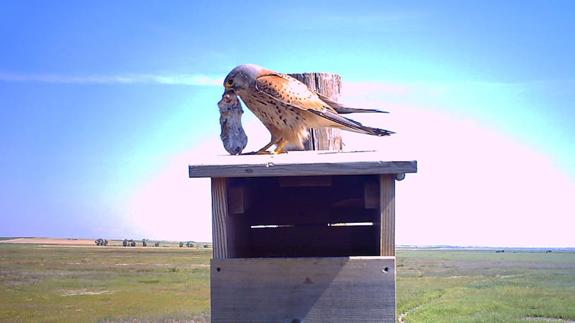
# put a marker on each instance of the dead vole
(233, 136)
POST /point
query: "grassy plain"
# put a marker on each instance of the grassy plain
(51, 283)
(484, 286)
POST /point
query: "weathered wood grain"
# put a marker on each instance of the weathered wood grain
(387, 211)
(329, 85)
(220, 219)
(340, 289)
(300, 163)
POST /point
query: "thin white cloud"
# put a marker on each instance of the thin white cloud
(167, 79)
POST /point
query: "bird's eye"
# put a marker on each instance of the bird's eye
(230, 81)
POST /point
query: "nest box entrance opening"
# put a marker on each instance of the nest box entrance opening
(311, 216)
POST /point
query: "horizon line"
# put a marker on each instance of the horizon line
(447, 246)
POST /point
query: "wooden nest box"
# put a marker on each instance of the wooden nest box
(303, 237)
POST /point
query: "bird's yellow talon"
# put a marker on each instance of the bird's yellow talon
(259, 152)
(280, 147)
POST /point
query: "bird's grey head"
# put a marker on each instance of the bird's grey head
(241, 77)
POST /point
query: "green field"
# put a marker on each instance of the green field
(484, 286)
(110, 284)
(114, 284)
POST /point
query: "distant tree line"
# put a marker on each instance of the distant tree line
(192, 244)
(101, 242)
(145, 242)
(148, 243)
(189, 244)
(127, 242)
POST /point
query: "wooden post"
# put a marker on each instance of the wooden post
(387, 214)
(329, 85)
(387, 227)
(220, 219)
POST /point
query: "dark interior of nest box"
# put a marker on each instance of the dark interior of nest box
(311, 216)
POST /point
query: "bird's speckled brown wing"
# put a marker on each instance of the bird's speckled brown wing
(289, 91)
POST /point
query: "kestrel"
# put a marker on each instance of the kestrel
(288, 108)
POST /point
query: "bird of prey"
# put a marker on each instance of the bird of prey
(288, 108)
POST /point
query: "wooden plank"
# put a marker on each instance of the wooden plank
(300, 163)
(238, 199)
(220, 219)
(387, 211)
(341, 289)
(329, 85)
(311, 216)
(371, 195)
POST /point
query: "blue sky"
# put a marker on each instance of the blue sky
(99, 99)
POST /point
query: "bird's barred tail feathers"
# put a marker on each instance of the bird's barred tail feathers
(349, 124)
(381, 132)
(372, 131)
